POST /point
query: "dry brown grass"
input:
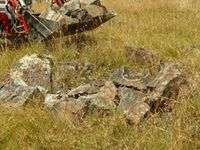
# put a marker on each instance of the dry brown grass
(170, 28)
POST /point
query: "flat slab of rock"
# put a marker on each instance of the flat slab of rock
(120, 78)
(86, 89)
(104, 99)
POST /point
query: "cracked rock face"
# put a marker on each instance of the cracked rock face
(29, 76)
(32, 71)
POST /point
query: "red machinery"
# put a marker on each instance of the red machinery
(57, 2)
(12, 21)
(70, 17)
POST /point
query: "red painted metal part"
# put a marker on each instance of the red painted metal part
(23, 22)
(59, 3)
(6, 23)
(7, 27)
(13, 3)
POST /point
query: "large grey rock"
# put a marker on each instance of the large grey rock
(165, 86)
(30, 76)
(121, 78)
(33, 71)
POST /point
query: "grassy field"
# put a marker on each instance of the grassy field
(170, 28)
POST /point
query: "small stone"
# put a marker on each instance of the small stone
(137, 112)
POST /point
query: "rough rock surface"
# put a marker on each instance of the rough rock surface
(137, 112)
(165, 86)
(52, 99)
(132, 104)
(79, 105)
(128, 97)
(120, 78)
(91, 88)
(33, 71)
(18, 95)
(31, 76)
(73, 17)
(104, 99)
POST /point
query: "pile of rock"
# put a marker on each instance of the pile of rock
(73, 17)
(136, 99)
